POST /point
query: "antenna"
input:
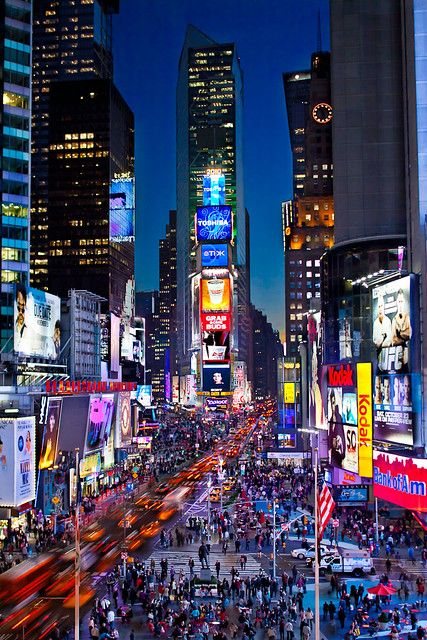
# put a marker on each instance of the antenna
(319, 33)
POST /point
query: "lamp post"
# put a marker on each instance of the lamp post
(274, 538)
(221, 476)
(77, 556)
(209, 484)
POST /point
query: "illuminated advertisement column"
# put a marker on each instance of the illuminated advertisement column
(213, 232)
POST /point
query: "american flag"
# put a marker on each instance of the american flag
(325, 506)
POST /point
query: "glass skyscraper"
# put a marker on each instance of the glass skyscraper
(15, 118)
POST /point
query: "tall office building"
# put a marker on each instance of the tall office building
(147, 306)
(90, 190)
(209, 136)
(165, 362)
(15, 118)
(72, 41)
(267, 350)
(308, 220)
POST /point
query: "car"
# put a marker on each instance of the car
(302, 554)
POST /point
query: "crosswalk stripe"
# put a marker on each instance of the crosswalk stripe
(179, 559)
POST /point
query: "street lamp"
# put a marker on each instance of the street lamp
(221, 475)
(209, 484)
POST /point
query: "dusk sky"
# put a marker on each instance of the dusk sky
(272, 36)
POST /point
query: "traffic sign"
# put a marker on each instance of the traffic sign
(335, 523)
(55, 500)
(129, 487)
(284, 526)
(124, 555)
(134, 475)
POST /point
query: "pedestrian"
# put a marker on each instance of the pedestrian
(341, 616)
(217, 568)
(289, 630)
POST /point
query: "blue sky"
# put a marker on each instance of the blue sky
(272, 36)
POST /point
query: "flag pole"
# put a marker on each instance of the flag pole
(316, 546)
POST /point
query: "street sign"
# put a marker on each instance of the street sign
(129, 487)
(55, 500)
(134, 475)
(335, 523)
(124, 555)
(284, 526)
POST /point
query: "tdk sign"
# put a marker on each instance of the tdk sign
(214, 255)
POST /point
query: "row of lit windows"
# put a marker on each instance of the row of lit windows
(11, 99)
(86, 135)
(224, 67)
(83, 154)
(299, 274)
(72, 145)
(78, 252)
(204, 54)
(308, 263)
(11, 276)
(298, 295)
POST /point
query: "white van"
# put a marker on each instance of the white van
(351, 561)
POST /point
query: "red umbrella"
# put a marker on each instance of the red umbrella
(382, 590)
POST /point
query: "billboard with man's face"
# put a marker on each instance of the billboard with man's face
(37, 324)
(51, 432)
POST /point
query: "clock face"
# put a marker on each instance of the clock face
(322, 113)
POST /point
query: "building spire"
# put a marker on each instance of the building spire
(319, 32)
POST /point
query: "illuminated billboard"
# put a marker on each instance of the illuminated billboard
(122, 209)
(365, 417)
(216, 345)
(214, 188)
(37, 324)
(143, 394)
(316, 404)
(213, 223)
(401, 481)
(17, 461)
(287, 440)
(101, 409)
(341, 412)
(195, 316)
(396, 387)
(216, 321)
(216, 377)
(51, 432)
(216, 295)
(217, 404)
(214, 255)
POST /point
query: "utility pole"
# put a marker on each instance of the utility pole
(316, 547)
(77, 562)
(274, 538)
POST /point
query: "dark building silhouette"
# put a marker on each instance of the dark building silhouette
(267, 350)
(147, 306)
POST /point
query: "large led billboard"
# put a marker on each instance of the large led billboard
(341, 413)
(216, 345)
(214, 188)
(396, 387)
(122, 209)
(17, 461)
(101, 409)
(216, 377)
(214, 255)
(213, 223)
(400, 480)
(37, 324)
(216, 295)
(143, 394)
(50, 434)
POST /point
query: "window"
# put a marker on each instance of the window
(308, 263)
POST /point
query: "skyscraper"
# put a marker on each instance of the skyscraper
(209, 136)
(15, 116)
(72, 41)
(308, 220)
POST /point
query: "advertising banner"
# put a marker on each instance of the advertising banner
(175, 389)
(395, 406)
(195, 308)
(216, 377)
(216, 346)
(25, 460)
(90, 464)
(214, 255)
(7, 451)
(316, 408)
(124, 419)
(345, 495)
(287, 440)
(216, 321)
(216, 294)
(101, 409)
(214, 223)
(50, 433)
(214, 188)
(37, 324)
(289, 392)
(341, 411)
(401, 481)
(143, 394)
(365, 417)
(217, 404)
(105, 337)
(122, 209)
(391, 325)
(190, 390)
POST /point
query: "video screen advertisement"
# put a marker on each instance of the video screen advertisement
(214, 223)
(214, 188)
(401, 481)
(356, 495)
(101, 410)
(122, 209)
(216, 378)
(17, 461)
(37, 324)
(348, 408)
(214, 255)
(50, 433)
(216, 295)
(396, 386)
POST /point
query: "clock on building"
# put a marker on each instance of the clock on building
(322, 113)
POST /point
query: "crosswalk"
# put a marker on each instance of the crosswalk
(179, 559)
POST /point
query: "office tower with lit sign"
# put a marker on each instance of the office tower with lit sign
(209, 144)
(307, 220)
(15, 117)
(72, 40)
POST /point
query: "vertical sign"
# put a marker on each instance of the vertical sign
(364, 417)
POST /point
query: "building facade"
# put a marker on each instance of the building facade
(267, 351)
(15, 116)
(209, 138)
